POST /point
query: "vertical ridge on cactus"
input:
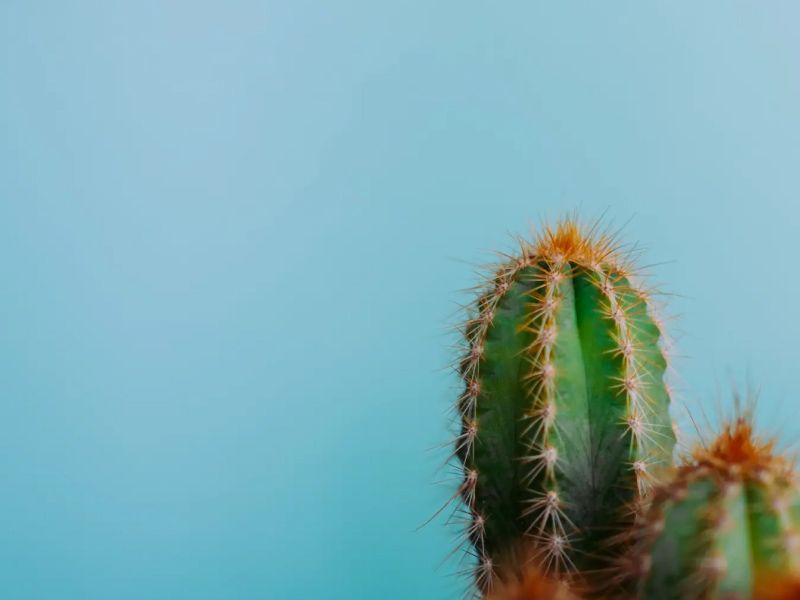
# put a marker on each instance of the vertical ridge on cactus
(564, 417)
(726, 526)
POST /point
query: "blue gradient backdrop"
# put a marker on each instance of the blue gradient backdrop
(231, 236)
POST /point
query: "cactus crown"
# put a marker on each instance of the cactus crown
(564, 422)
(739, 451)
(568, 241)
(727, 526)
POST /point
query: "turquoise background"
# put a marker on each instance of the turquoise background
(232, 235)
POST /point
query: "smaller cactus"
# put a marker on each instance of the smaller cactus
(726, 527)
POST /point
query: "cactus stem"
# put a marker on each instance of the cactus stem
(562, 362)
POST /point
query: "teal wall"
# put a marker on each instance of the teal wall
(232, 235)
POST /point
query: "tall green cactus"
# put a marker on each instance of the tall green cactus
(726, 527)
(564, 415)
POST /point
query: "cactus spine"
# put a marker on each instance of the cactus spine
(564, 415)
(726, 527)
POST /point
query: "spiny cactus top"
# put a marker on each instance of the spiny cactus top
(726, 527)
(564, 414)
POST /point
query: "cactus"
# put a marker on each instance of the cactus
(564, 418)
(725, 527)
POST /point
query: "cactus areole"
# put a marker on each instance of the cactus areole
(565, 420)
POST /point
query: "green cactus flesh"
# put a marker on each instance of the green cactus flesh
(725, 527)
(564, 418)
